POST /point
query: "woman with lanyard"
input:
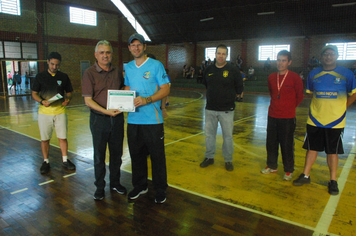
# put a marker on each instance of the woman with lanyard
(286, 91)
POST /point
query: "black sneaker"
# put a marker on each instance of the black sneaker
(333, 189)
(301, 180)
(240, 100)
(68, 165)
(136, 192)
(99, 195)
(119, 189)
(160, 197)
(207, 162)
(229, 166)
(45, 168)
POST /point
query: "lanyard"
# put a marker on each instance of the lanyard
(280, 86)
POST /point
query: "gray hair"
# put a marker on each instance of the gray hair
(103, 42)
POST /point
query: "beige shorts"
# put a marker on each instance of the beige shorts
(46, 123)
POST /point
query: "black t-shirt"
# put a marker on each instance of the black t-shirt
(222, 86)
(47, 85)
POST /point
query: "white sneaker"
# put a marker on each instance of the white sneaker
(268, 170)
(288, 176)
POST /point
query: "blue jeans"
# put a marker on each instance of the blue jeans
(226, 120)
(107, 130)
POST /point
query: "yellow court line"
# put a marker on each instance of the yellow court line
(66, 176)
(18, 191)
(47, 182)
(329, 211)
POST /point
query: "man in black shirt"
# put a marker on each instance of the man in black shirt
(53, 90)
(223, 82)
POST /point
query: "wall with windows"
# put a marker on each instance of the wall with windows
(57, 24)
(302, 50)
(24, 23)
(296, 48)
(75, 42)
(315, 48)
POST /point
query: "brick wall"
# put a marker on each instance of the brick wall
(57, 24)
(76, 42)
(25, 23)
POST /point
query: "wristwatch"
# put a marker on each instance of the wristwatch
(41, 102)
(148, 99)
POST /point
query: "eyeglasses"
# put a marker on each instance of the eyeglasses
(329, 54)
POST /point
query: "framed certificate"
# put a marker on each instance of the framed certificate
(122, 100)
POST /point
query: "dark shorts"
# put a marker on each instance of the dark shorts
(324, 139)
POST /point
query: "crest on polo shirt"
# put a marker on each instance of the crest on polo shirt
(226, 73)
(147, 75)
(337, 81)
(59, 82)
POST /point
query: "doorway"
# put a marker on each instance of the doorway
(17, 77)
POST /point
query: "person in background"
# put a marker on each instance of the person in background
(267, 65)
(18, 79)
(251, 73)
(240, 98)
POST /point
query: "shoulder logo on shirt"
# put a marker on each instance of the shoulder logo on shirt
(226, 73)
(337, 81)
(210, 74)
(147, 75)
(59, 82)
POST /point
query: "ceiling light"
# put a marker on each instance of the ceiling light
(265, 13)
(206, 19)
(344, 4)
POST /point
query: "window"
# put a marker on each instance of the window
(12, 50)
(347, 51)
(10, 7)
(1, 50)
(29, 50)
(82, 16)
(271, 51)
(210, 53)
(18, 50)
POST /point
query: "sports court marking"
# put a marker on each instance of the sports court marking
(329, 211)
(47, 182)
(324, 221)
(19, 191)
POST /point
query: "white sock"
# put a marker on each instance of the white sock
(306, 176)
(64, 158)
(46, 160)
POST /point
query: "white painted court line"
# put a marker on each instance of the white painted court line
(20, 126)
(46, 182)
(19, 191)
(243, 208)
(89, 168)
(66, 176)
(182, 103)
(329, 211)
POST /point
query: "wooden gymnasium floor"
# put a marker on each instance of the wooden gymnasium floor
(209, 201)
